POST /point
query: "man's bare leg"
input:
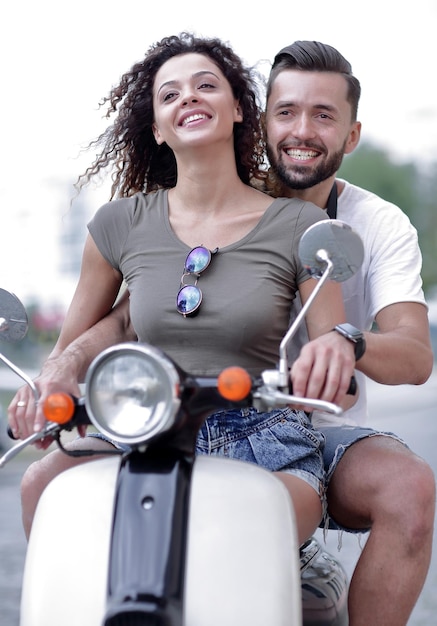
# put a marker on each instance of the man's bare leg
(381, 484)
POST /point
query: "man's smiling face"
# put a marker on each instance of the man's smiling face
(309, 126)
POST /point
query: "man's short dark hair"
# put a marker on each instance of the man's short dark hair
(313, 56)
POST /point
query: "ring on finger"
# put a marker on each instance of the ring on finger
(21, 403)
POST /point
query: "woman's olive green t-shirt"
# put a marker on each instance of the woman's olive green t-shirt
(248, 288)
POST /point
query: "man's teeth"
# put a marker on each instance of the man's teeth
(193, 118)
(301, 154)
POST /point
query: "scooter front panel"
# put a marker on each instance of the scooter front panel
(242, 563)
(65, 576)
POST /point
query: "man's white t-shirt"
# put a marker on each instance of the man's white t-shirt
(390, 273)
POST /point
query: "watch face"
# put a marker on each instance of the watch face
(350, 330)
(355, 336)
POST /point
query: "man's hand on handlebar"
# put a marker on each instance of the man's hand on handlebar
(324, 369)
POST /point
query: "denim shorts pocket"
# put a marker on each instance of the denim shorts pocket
(280, 440)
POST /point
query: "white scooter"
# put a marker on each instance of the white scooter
(156, 536)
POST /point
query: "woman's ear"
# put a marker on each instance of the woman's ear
(238, 113)
(159, 140)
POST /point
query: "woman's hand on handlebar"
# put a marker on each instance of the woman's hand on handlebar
(25, 416)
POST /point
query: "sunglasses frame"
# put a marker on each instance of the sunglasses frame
(187, 272)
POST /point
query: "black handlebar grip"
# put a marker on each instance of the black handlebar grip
(11, 434)
(352, 389)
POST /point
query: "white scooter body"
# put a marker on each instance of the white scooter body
(242, 564)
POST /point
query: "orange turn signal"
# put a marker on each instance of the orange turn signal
(58, 407)
(234, 383)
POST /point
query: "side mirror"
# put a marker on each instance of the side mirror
(335, 240)
(13, 327)
(13, 318)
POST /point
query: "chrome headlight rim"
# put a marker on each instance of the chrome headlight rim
(168, 373)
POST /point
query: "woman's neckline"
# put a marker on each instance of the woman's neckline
(230, 246)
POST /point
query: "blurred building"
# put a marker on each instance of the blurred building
(41, 242)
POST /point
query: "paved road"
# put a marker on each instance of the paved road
(12, 541)
(409, 411)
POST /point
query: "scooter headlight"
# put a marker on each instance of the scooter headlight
(132, 392)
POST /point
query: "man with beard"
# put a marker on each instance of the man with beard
(376, 484)
(374, 481)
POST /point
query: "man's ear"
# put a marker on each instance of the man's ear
(354, 138)
(155, 130)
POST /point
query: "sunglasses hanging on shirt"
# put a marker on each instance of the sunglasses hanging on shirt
(189, 296)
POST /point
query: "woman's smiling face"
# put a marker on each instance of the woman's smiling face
(193, 102)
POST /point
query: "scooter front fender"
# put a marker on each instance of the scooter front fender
(242, 559)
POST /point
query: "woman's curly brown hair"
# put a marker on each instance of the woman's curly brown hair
(128, 145)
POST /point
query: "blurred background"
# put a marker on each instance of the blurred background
(58, 63)
(58, 60)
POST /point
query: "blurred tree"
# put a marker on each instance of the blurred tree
(427, 226)
(412, 189)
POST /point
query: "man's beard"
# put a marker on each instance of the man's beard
(303, 177)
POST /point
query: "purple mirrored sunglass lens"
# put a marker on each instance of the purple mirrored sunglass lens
(197, 260)
(188, 299)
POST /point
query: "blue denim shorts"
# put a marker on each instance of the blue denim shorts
(282, 440)
(337, 440)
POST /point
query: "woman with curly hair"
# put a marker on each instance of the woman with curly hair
(210, 262)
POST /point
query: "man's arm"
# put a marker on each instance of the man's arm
(400, 351)
(112, 329)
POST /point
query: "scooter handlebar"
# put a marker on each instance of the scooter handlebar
(79, 417)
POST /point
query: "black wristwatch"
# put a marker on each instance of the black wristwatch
(355, 336)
